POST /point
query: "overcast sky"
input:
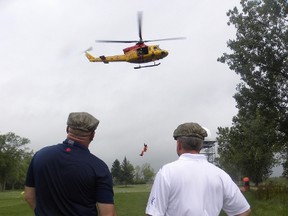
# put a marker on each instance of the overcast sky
(45, 75)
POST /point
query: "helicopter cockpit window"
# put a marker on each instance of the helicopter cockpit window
(145, 50)
(139, 51)
(142, 51)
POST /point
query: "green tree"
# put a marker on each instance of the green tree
(228, 153)
(13, 159)
(116, 171)
(260, 56)
(285, 167)
(147, 172)
(18, 175)
(246, 148)
(143, 174)
(127, 170)
(138, 179)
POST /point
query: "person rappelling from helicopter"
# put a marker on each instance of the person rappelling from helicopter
(144, 149)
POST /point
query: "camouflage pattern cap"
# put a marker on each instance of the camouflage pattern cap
(190, 129)
(82, 121)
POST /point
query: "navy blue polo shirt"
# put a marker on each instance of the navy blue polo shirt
(69, 180)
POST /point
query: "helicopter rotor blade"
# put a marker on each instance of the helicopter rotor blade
(140, 41)
(116, 41)
(166, 39)
(140, 25)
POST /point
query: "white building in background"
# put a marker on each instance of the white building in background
(209, 147)
(210, 150)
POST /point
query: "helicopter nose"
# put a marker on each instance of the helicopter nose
(164, 53)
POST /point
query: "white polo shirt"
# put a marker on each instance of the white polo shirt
(192, 186)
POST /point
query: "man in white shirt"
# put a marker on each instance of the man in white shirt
(191, 185)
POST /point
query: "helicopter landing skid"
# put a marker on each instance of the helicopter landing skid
(145, 66)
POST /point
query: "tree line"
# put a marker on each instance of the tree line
(125, 173)
(15, 157)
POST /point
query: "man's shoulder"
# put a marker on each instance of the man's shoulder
(99, 161)
(169, 166)
(50, 147)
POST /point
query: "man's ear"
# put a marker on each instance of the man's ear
(179, 145)
(67, 129)
(92, 136)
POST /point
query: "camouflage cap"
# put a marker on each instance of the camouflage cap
(190, 129)
(82, 121)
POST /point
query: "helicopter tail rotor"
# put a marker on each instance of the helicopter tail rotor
(87, 50)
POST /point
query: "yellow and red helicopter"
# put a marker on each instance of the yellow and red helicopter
(139, 54)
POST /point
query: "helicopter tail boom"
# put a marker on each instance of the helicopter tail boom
(93, 59)
(90, 57)
(105, 59)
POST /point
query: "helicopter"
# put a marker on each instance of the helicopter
(139, 54)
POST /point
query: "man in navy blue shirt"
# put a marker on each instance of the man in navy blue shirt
(66, 179)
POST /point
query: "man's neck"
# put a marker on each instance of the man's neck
(81, 140)
(189, 152)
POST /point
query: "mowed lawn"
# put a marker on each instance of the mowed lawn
(12, 204)
(131, 201)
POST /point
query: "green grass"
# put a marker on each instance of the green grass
(12, 204)
(132, 200)
(265, 207)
